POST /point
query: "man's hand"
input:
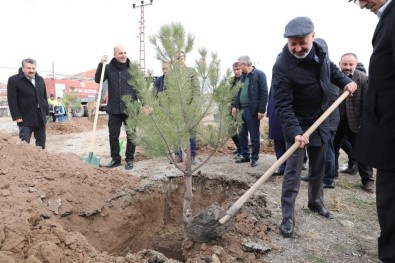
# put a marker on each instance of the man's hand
(303, 139)
(147, 110)
(260, 115)
(351, 87)
(104, 58)
(234, 112)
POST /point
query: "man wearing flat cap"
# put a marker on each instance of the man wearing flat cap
(304, 74)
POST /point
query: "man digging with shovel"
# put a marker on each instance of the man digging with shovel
(303, 73)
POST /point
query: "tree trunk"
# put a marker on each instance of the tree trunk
(187, 210)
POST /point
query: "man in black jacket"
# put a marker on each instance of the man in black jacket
(376, 138)
(28, 102)
(118, 76)
(304, 73)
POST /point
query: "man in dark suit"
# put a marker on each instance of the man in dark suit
(28, 102)
(376, 139)
(303, 74)
(118, 76)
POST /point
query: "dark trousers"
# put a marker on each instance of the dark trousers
(235, 139)
(25, 133)
(385, 196)
(115, 122)
(250, 125)
(291, 179)
(192, 141)
(365, 171)
(280, 149)
(330, 167)
(52, 116)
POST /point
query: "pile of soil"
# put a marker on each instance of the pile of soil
(56, 208)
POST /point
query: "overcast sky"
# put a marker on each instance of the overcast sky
(72, 35)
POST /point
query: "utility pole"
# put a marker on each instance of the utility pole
(142, 35)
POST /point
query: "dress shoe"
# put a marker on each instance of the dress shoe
(254, 163)
(368, 186)
(193, 160)
(113, 164)
(321, 210)
(305, 178)
(350, 170)
(278, 173)
(243, 160)
(287, 227)
(238, 156)
(328, 185)
(129, 165)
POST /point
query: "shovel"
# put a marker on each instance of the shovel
(91, 158)
(210, 223)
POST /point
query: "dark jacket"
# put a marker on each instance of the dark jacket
(334, 117)
(159, 84)
(302, 89)
(376, 139)
(233, 84)
(23, 98)
(118, 86)
(275, 129)
(257, 91)
(355, 104)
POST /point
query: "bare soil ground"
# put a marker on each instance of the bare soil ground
(56, 208)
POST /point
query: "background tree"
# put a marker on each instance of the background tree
(71, 100)
(164, 121)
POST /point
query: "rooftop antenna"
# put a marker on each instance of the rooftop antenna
(142, 34)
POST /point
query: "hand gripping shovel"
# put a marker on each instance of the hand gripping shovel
(91, 158)
(209, 224)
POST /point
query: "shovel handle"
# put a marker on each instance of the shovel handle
(238, 204)
(98, 100)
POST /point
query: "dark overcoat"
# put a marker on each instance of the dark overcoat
(302, 89)
(118, 86)
(376, 139)
(275, 129)
(24, 99)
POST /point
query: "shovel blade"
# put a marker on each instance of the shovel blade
(91, 159)
(205, 226)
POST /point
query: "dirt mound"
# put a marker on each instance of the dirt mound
(76, 125)
(36, 193)
(70, 211)
(56, 208)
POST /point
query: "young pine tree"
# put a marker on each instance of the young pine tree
(164, 122)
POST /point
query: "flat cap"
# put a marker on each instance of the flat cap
(299, 27)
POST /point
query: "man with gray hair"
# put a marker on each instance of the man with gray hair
(28, 102)
(303, 74)
(251, 99)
